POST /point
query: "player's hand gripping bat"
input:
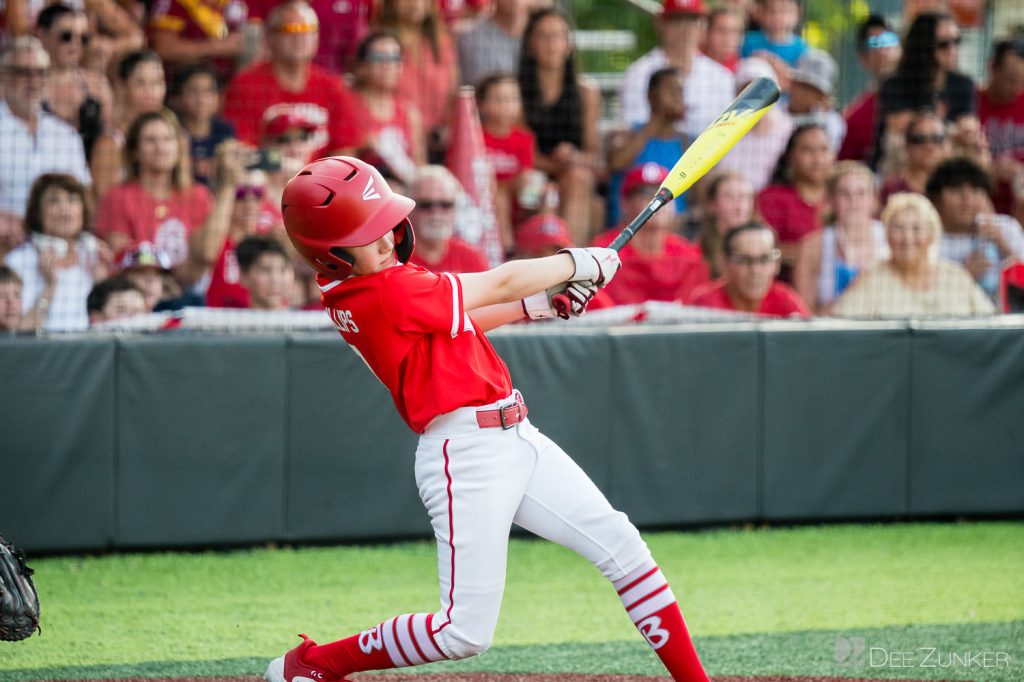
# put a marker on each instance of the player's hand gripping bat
(700, 157)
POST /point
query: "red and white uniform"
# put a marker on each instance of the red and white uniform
(411, 328)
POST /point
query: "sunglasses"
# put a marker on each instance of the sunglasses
(886, 39)
(28, 72)
(430, 204)
(298, 28)
(383, 58)
(68, 36)
(297, 136)
(243, 192)
(917, 138)
(946, 44)
(766, 259)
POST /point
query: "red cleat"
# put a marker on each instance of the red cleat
(290, 668)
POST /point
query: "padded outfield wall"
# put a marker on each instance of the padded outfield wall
(185, 440)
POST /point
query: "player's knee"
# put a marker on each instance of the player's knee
(460, 644)
(626, 548)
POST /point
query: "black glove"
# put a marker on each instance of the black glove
(19, 603)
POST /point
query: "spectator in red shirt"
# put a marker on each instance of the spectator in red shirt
(158, 202)
(1001, 111)
(434, 189)
(752, 260)
(343, 23)
(290, 83)
(657, 260)
(878, 50)
(793, 201)
(927, 145)
(385, 123)
(724, 36)
(509, 145)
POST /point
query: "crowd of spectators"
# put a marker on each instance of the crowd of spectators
(144, 148)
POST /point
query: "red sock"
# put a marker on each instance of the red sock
(396, 643)
(652, 607)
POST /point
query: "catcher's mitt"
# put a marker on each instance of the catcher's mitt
(19, 603)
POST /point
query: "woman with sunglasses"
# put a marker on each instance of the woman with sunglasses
(926, 78)
(82, 97)
(240, 210)
(385, 118)
(926, 145)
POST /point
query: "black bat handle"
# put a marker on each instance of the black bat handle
(663, 197)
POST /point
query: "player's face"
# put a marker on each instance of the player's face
(375, 256)
(61, 213)
(10, 305)
(753, 264)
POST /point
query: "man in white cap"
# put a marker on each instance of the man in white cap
(757, 152)
(812, 83)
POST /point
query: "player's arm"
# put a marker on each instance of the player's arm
(497, 315)
(510, 282)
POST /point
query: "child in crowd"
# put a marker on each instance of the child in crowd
(509, 147)
(776, 41)
(196, 99)
(266, 272)
(812, 83)
(115, 298)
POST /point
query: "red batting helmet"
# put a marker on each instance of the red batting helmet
(340, 201)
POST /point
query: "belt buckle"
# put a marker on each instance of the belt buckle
(501, 415)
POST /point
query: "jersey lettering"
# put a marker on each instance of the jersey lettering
(655, 635)
(370, 640)
(343, 320)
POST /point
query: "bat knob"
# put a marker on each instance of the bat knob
(562, 305)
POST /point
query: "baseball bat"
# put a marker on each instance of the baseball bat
(710, 146)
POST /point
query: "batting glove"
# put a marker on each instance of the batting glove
(594, 264)
(562, 300)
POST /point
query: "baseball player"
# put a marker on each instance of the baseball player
(480, 464)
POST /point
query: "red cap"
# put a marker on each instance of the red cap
(683, 7)
(645, 174)
(282, 122)
(539, 231)
(142, 255)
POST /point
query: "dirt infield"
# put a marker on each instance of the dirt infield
(511, 677)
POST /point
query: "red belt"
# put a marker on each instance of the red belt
(505, 417)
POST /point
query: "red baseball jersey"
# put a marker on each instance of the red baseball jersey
(410, 328)
(254, 96)
(780, 301)
(458, 257)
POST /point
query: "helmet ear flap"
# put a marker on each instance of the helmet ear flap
(405, 241)
(342, 262)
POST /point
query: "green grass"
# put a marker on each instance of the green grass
(140, 612)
